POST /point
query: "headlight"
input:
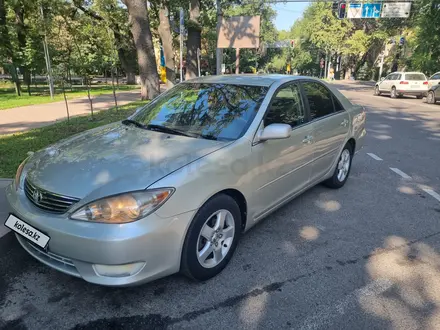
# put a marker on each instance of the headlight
(123, 208)
(18, 174)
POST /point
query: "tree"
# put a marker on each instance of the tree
(193, 42)
(166, 37)
(140, 29)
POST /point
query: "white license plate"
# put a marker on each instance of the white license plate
(27, 231)
(414, 86)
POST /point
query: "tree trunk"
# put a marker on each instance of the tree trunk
(140, 29)
(127, 57)
(21, 38)
(167, 44)
(194, 40)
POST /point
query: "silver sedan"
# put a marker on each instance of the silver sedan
(173, 187)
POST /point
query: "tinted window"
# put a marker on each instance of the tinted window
(217, 111)
(337, 104)
(436, 76)
(415, 76)
(389, 77)
(286, 107)
(320, 100)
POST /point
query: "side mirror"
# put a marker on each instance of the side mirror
(382, 79)
(275, 132)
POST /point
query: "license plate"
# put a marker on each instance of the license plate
(27, 231)
(414, 86)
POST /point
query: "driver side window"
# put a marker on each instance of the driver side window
(286, 107)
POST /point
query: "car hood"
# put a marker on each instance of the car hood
(113, 159)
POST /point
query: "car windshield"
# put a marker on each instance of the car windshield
(415, 76)
(213, 111)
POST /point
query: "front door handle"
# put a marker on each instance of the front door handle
(344, 123)
(308, 139)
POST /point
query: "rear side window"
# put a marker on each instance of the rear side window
(415, 76)
(320, 100)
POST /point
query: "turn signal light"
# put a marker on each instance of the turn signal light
(404, 83)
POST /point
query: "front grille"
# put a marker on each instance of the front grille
(46, 200)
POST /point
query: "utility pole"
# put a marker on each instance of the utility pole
(181, 43)
(47, 58)
(382, 55)
(219, 51)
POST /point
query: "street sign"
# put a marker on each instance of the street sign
(354, 10)
(396, 9)
(371, 10)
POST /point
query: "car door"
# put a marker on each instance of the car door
(385, 84)
(434, 80)
(330, 124)
(284, 165)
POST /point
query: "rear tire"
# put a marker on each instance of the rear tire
(430, 98)
(209, 244)
(342, 170)
(393, 93)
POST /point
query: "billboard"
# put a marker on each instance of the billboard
(239, 32)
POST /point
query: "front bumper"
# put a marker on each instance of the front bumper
(76, 246)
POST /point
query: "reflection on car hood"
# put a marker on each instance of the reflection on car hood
(113, 159)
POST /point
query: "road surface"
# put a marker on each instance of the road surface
(366, 256)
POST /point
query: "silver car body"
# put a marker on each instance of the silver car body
(113, 159)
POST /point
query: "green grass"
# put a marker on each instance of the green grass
(14, 147)
(40, 95)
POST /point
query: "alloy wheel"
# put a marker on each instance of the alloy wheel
(344, 165)
(215, 238)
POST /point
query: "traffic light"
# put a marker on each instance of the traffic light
(292, 43)
(341, 10)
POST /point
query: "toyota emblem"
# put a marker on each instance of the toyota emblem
(37, 196)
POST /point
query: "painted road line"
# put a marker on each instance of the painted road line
(324, 318)
(432, 193)
(374, 156)
(402, 174)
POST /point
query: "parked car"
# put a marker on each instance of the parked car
(398, 84)
(173, 187)
(434, 80)
(433, 94)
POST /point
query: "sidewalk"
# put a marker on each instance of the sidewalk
(34, 116)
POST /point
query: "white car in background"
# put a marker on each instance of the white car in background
(398, 84)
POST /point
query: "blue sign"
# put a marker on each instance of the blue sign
(371, 10)
(354, 5)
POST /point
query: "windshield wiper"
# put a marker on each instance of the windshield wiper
(164, 129)
(208, 137)
(133, 122)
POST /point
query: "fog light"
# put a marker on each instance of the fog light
(119, 270)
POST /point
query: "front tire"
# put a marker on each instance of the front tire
(377, 91)
(393, 93)
(343, 168)
(211, 238)
(430, 98)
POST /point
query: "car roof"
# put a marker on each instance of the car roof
(265, 80)
(405, 72)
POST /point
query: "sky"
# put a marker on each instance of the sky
(287, 13)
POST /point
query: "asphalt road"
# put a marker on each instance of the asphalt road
(366, 256)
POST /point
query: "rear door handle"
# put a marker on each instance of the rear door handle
(344, 123)
(308, 139)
